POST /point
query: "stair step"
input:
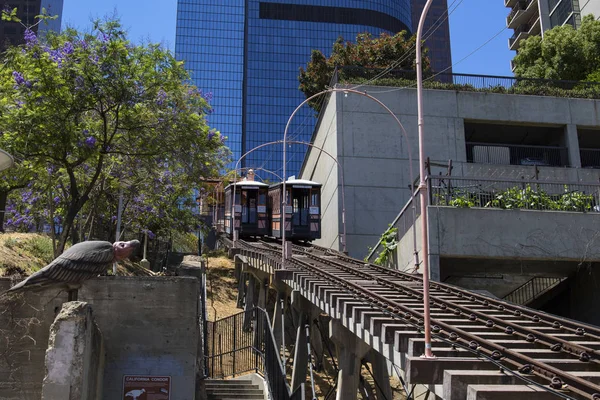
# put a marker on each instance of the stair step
(234, 391)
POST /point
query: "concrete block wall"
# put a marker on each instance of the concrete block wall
(24, 331)
(150, 327)
(75, 356)
(375, 154)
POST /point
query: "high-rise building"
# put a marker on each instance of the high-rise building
(248, 53)
(534, 17)
(12, 32)
(436, 30)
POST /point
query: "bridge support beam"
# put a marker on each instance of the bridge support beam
(276, 321)
(350, 352)
(381, 374)
(300, 367)
(249, 302)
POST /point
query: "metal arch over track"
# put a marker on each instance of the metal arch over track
(560, 355)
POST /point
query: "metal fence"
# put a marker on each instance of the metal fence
(244, 343)
(514, 194)
(513, 154)
(348, 73)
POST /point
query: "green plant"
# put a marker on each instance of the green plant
(389, 242)
(517, 198)
(40, 247)
(11, 243)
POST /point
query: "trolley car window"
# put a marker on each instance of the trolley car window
(314, 199)
(300, 207)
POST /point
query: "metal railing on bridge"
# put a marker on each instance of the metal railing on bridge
(244, 343)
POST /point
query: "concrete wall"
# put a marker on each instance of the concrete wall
(319, 167)
(522, 234)
(75, 356)
(375, 155)
(24, 330)
(150, 327)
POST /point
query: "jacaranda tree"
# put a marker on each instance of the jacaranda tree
(82, 109)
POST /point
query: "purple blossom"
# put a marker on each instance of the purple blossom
(90, 142)
(161, 97)
(56, 56)
(211, 134)
(208, 96)
(30, 38)
(56, 200)
(151, 234)
(79, 82)
(84, 45)
(68, 48)
(19, 79)
(223, 139)
(113, 218)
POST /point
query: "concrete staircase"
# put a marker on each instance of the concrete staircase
(233, 389)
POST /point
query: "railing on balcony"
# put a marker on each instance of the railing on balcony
(513, 154)
(523, 28)
(590, 158)
(514, 194)
(520, 6)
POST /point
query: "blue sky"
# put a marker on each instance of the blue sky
(471, 25)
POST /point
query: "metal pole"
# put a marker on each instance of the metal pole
(423, 186)
(283, 198)
(118, 233)
(282, 333)
(312, 380)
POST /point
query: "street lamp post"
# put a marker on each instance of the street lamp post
(423, 186)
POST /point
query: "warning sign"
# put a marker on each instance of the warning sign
(139, 387)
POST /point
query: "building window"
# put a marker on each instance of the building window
(561, 13)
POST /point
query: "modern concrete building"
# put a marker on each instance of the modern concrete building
(247, 54)
(534, 17)
(12, 32)
(482, 144)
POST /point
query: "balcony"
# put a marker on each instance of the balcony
(522, 12)
(510, 3)
(590, 158)
(512, 154)
(522, 32)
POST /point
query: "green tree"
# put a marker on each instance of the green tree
(563, 54)
(385, 51)
(90, 107)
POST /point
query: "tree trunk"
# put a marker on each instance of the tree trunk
(3, 201)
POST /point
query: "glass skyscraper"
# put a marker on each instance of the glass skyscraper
(248, 53)
(12, 33)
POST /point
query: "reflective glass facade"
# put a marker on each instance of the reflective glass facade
(438, 40)
(11, 33)
(248, 54)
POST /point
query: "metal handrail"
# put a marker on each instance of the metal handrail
(264, 348)
(532, 289)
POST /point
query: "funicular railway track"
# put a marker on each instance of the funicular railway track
(557, 354)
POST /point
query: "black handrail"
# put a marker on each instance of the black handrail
(247, 350)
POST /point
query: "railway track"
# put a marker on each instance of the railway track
(561, 356)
